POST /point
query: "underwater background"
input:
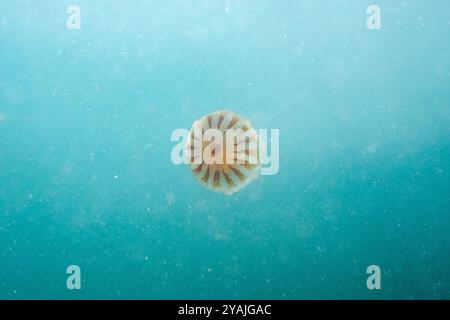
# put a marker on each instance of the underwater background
(86, 176)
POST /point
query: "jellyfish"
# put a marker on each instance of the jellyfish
(224, 162)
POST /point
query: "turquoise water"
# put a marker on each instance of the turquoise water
(85, 170)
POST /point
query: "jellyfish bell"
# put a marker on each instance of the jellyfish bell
(222, 150)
